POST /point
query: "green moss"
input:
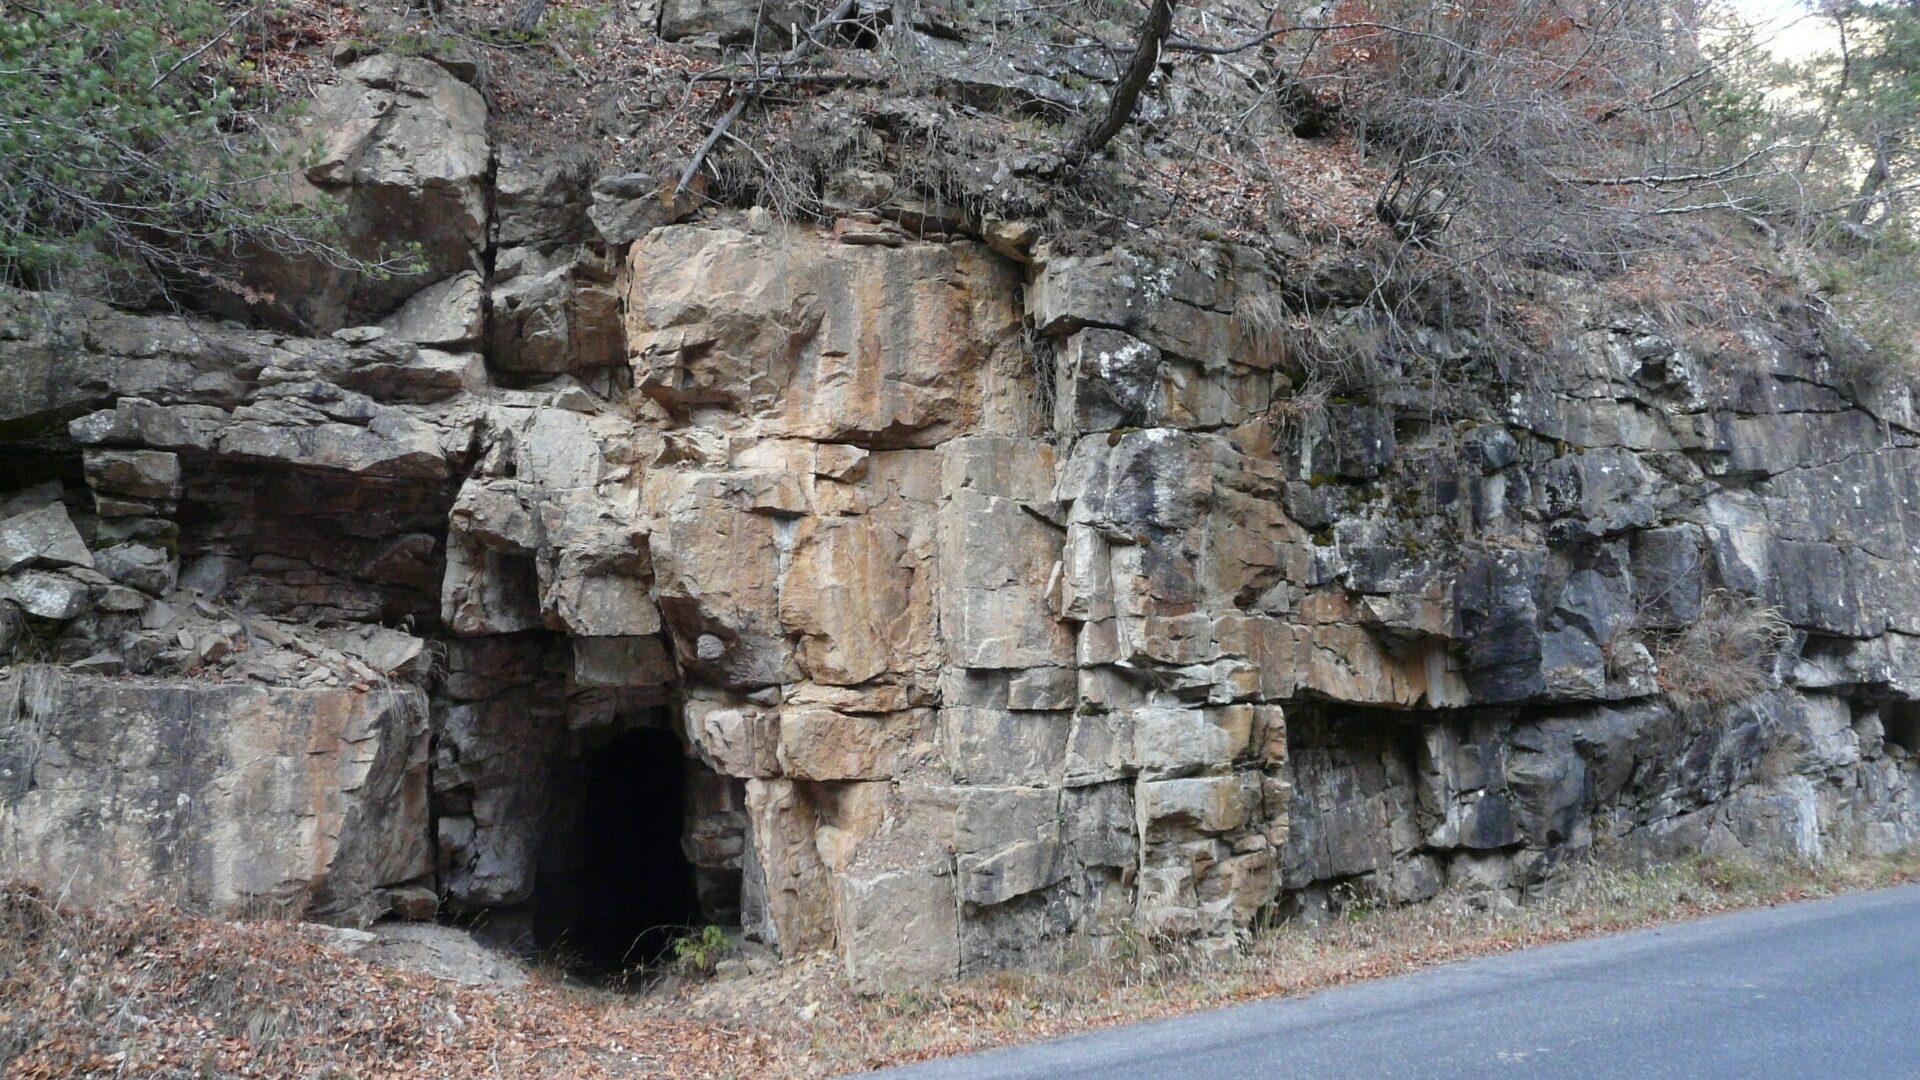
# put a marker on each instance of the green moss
(413, 43)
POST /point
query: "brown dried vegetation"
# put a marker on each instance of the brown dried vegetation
(150, 991)
(1724, 657)
(156, 993)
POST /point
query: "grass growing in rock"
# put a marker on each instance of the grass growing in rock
(151, 991)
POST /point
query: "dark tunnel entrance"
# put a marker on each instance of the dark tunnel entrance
(618, 888)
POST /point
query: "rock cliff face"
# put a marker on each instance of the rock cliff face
(933, 603)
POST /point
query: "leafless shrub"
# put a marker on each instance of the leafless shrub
(1509, 139)
(1725, 656)
(1514, 138)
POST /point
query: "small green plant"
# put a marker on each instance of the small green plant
(702, 951)
(415, 43)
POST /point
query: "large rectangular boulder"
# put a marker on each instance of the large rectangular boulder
(235, 797)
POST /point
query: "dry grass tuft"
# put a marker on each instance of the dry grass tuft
(1726, 656)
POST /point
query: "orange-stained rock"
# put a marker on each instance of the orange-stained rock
(877, 346)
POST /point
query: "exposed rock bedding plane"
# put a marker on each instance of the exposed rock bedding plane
(984, 605)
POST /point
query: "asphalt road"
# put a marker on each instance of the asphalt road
(1826, 989)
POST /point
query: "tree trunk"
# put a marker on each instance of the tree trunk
(1146, 54)
(527, 19)
(1870, 184)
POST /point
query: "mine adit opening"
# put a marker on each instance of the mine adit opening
(616, 888)
(1902, 722)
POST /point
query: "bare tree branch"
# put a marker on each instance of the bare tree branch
(803, 48)
(1670, 180)
(1126, 94)
(1185, 46)
(792, 78)
(1870, 185)
(195, 54)
(713, 139)
(1648, 105)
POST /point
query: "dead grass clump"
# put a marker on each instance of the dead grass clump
(1699, 295)
(1331, 351)
(1262, 324)
(1726, 656)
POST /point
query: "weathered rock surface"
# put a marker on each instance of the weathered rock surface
(982, 597)
(245, 798)
(442, 952)
(729, 20)
(404, 144)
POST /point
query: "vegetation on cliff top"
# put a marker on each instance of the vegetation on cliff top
(132, 145)
(1455, 150)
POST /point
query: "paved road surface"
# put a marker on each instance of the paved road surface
(1828, 989)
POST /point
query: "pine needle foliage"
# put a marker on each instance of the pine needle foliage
(127, 141)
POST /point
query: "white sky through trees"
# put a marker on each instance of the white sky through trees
(1793, 29)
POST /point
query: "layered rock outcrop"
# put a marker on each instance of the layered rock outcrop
(992, 604)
